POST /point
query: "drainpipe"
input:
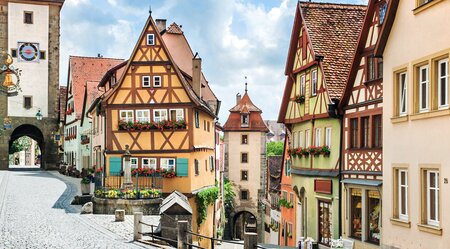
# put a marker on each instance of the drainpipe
(333, 112)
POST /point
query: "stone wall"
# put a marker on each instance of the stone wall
(109, 206)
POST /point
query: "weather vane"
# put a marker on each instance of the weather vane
(246, 84)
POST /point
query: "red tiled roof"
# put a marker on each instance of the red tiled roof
(245, 106)
(62, 102)
(334, 30)
(84, 69)
(182, 54)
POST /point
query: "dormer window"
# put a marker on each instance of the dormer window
(151, 39)
(244, 120)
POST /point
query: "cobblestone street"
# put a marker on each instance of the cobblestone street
(35, 212)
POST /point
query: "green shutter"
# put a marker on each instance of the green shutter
(182, 167)
(115, 165)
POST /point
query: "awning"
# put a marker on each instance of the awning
(372, 183)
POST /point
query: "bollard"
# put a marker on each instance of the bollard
(120, 215)
(137, 226)
(250, 240)
(182, 237)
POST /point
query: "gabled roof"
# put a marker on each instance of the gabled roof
(200, 103)
(84, 69)
(91, 93)
(182, 54)
(245, 106)
(333, 30)
(176, 201)
(387, 26)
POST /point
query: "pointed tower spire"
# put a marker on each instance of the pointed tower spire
(150, 10)
(245, 84)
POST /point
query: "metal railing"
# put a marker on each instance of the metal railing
(250, 240)
(145, 187)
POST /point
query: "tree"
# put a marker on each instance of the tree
(21, 144)
(275, 148)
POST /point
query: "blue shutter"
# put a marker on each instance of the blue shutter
(182, 167)
(115, 165)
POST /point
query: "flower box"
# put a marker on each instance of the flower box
(142, 126)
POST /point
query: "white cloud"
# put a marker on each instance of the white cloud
(75, 2)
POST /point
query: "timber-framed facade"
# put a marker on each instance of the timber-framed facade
(362, 141)
(316, 70)
(163, 109)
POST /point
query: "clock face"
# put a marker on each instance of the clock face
(28, 51)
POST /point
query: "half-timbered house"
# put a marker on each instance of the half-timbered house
(323, 42)
(362, 107)
(163, 109)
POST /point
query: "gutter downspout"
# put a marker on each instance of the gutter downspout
(333, 112)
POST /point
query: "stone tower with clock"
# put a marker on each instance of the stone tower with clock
(29, 32)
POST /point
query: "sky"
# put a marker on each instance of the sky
(234, 38)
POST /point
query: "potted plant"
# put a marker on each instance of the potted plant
(85, 186)
(299, 98)
(325, 151)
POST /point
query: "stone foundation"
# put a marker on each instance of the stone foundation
(109, 206)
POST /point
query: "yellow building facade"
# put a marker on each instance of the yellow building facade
(165, 112)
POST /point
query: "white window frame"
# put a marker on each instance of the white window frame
(328, 137)
(436, 196)
(152, 41)
(426, 82)
(442, 77)
(307, 138)
(151, 162)
(403, 94)
(159, 79)
(302, 84)
(133, 165)
(178, 117)
(140, 118)
(165, 163)
(146, 81)
(128, 118)
(160, 115)
(300, 139)
(314, 82)
(400, 186)
(318, 137)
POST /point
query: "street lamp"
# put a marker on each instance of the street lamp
(39, 115)
(127, 182)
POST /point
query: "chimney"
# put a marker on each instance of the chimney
(161, 24)
(238, 98)
(196, 75)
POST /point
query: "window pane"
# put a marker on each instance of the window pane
(356, 213)
(423, 100)
(432, 179)
(432, 204)
(403, 200)
(402, 178)
(374, 216)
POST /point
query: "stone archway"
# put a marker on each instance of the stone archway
(34, 133)
(244, 219)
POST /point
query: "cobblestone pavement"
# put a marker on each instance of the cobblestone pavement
(35, 212)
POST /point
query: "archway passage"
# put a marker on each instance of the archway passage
(244, 222)
(23, 144)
